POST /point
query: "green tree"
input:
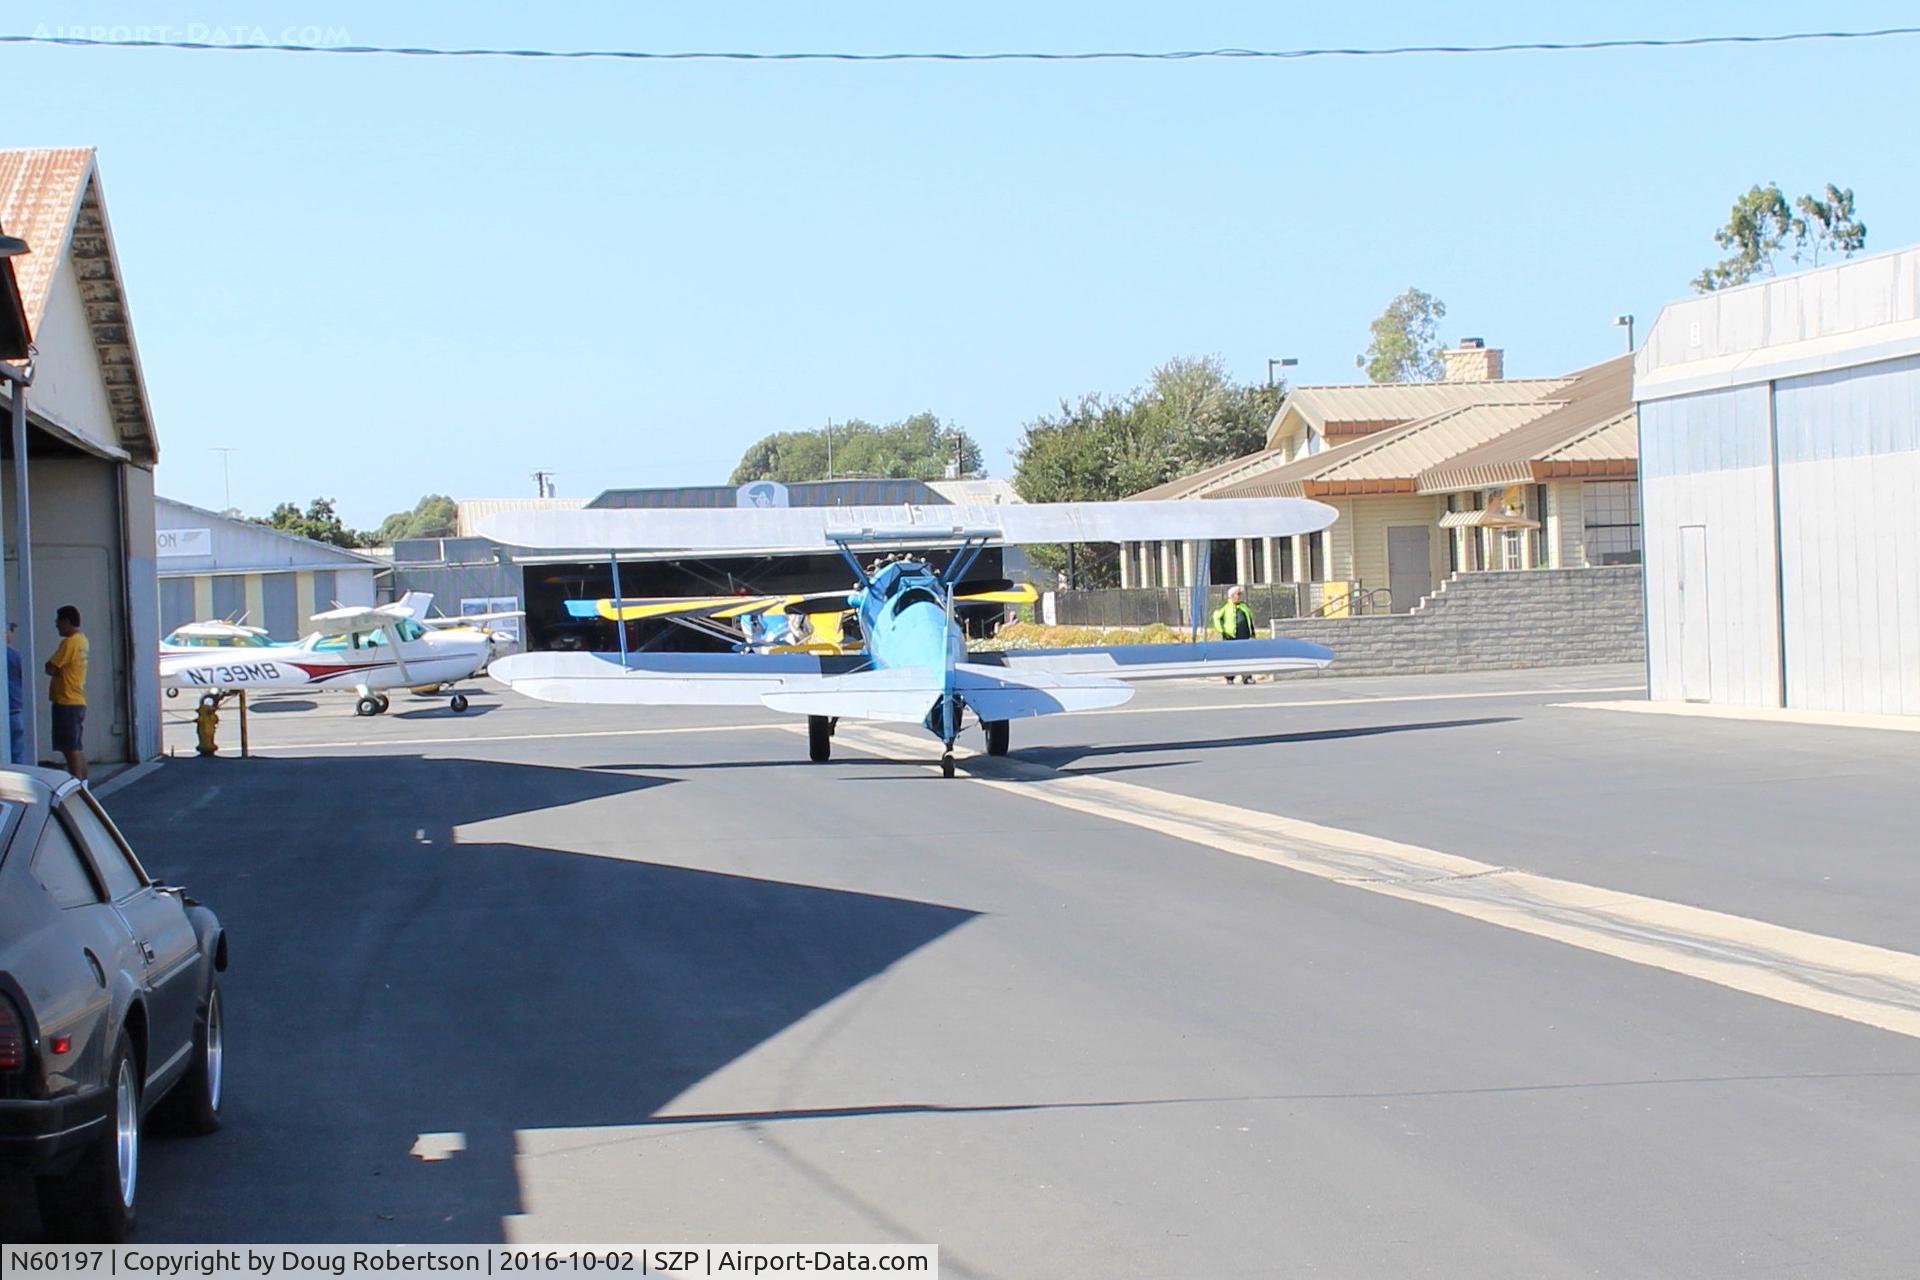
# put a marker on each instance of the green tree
(1828, 225)
(434, 516)
(921, 447)
(1190, 415)
(1406, 343)
(1761, 225)
(319, 522)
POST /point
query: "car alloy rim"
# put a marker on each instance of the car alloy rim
(127, 1132)
(215, 1051)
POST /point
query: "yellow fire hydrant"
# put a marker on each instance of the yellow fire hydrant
(205, 721)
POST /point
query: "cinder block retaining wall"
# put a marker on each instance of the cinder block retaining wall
(1493, 621)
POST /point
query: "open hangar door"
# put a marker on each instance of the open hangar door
(547, 585)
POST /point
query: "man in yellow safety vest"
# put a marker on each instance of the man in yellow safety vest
(1234, 621)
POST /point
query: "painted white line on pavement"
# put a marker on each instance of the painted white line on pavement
(522, 737)
(1361, 700)
(1765, 715)
(1873, 985)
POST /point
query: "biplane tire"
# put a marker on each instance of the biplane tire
(367, 706)
(946, 764)
(998, 735)
(819, 738)
(459, 702)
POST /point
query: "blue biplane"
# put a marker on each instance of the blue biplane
(914, 665)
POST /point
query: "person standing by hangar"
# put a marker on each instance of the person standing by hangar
(1234, 621)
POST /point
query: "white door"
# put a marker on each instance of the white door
(1696, 667)
(1409, 565)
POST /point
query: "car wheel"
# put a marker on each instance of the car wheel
(93, 1202)
(194, 1105)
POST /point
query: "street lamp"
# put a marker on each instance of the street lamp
(1282, 362)
(1626, 322)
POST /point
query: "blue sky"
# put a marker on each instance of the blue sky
(378, 277)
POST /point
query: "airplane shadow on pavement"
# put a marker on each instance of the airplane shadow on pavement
(389, 983)
(1057, 757)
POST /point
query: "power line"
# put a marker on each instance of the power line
(1111, 55)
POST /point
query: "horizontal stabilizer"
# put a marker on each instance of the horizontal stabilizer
(996, 694)
(663, 679)
(903, 694)
(1163, 661)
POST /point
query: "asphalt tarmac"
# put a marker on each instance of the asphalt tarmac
(1427, 976)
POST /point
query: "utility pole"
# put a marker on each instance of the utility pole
(226, 475)
(829, 430)
(543, 484)
(1627, 323)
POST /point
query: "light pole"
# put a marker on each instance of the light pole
(1626, 322)
(1280, 362)
(226, 475)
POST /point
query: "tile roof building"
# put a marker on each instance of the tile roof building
(1429, 478)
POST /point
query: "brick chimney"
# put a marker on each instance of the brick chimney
(1473, 361)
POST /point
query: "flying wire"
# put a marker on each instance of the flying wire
(1111, 55)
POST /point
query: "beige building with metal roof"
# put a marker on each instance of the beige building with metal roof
(1475, 472)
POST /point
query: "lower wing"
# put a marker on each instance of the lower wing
(664, 679)
(1162, 661)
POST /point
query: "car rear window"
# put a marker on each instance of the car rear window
(57, 866)
(117, 867)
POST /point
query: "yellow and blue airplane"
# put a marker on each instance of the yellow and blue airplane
(914, 666)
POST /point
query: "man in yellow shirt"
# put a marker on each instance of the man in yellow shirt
(68, 667)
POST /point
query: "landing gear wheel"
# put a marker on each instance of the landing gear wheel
(819, 738)
(998, 734)
(93, 1201)
(385, 702)
(946, 764)
(459, 702)
(209, 702)
(367, 706)
(173, 693)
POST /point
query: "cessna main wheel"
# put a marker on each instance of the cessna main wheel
(385, 702)
(819, 738)
(367, 706)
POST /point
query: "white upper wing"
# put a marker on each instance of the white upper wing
(821, 528)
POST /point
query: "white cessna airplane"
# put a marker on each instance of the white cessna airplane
(366, 649)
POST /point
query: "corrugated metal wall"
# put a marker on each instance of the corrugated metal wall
(1850, 501)
(1705, 462)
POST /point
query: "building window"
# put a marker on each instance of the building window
(1611, 512)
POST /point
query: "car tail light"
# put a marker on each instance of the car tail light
(13, 1037)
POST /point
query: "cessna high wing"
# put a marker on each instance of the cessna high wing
(363, 649)
(915, 667)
